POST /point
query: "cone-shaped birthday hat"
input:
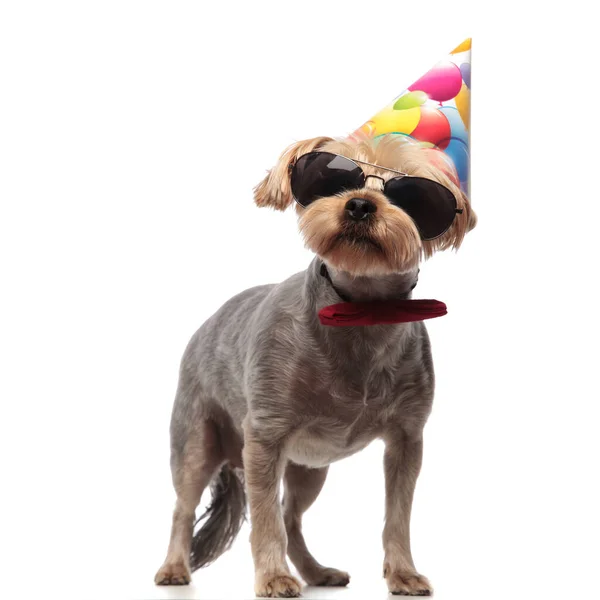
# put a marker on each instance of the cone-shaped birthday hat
(434, 111)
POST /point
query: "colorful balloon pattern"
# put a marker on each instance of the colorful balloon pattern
(435, 111)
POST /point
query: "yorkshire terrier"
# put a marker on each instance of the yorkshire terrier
(268, 393)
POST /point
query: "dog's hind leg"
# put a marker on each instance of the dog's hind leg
(193, 465)
(301, 488)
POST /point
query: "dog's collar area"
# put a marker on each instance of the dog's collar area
(382, 312)
(325, 273)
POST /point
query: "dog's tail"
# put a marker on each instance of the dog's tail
(222, 520)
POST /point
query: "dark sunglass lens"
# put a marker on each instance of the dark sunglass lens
(430, 205)
(320, 174)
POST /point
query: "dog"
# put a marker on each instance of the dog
(267, 394)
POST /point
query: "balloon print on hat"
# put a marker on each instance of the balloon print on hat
(441, 83)
(465, 71)
(433, 127)
(442, 161)
(463, 102)
(392, 121)
(457, 125)
(462, 47)
(456, 147)
(434, 111)
(458, 152)
(410, 100)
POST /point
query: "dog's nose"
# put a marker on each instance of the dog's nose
(359, 208)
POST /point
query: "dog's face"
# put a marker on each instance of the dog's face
(359, 230)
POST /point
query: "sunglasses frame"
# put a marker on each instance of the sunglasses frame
(457, 211)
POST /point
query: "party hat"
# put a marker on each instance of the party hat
(434, 111)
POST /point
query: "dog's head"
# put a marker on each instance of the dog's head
(357, 228)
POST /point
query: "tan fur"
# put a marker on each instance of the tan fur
(398, 247)
(402, 464)
(202, 459)
(264, 467)
(395, 235)
(311, 396)
(275, 189)
(302, 486)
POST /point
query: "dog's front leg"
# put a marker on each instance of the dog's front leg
(402, 463)
(264, 465)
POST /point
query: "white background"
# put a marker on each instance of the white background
(131, 136)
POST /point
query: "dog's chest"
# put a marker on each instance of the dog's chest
(344, 414)
(343, 430)
(321, 445)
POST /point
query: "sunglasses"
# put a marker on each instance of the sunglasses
(429, 204)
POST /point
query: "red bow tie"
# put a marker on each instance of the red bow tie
(389, 312)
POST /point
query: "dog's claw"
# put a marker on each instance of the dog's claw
(173, 574)
(277, 586)
(408, 584)
(328, 577)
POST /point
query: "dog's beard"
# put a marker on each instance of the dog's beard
(385, 242)
(359, 235)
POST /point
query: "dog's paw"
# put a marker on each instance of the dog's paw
(328, 577)
(277, 585)
(404, 583)
(173, 574)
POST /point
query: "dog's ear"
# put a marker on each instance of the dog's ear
(463, 223)
(275, 189)
(469, 214)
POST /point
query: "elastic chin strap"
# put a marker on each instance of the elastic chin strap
(382, 312)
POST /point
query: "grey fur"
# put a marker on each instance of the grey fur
(326, 392)
(265, 356)
(266, 387)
